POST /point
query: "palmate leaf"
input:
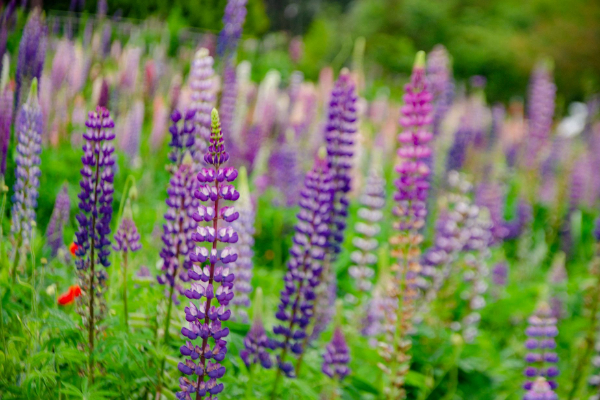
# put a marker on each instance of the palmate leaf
(94, 392)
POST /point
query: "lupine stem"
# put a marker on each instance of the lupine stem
(125, 313)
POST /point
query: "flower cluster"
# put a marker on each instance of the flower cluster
(233, 20)
(305, 266)
(453, 231)
(442, 86)
(212, 282)
(540, 112)
(59, 218)
(411, 209)
(203, 97)
(127, 237)
(541, 389)
(256, 345)
(365, 242)
(336, 356)
(540, 345)
(95, 205)
(32, 53)
(27, 171)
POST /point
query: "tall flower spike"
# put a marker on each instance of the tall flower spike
(32, 53)
(58, 220)
(541, 346)
(336, 356)
(242, 267)
(212, 284)
(540, 112)
(307, 254)
(411, 197)
(95, 205)
(439, 73)
(233, 21)
(202, 85)
(370, 215)
(6, 114)
(27, 171)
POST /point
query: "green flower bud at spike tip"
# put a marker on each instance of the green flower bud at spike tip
(5, 68)
(216, 124)
(33, 93)
(420, 60)
(187, 159)
(127, 212)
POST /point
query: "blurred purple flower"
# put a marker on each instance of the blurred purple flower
(32, 53)
(336, 356)
(540, 112)
(58, 220)
(6, 114)
(203, 97)
(541, 347)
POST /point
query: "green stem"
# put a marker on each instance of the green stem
(249, 385)
(4, 192)
(277, 379)
(125, 313)
(168, 318)
(16, 259)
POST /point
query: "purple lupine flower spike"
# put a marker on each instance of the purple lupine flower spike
(340, 136)
(541, 347)
(233, 21)
(131, 131)
(540, 112)
(541, 389)
(305, 266)
(6, 114)
(202, 85)
(365, 242)
(500, 274)
(212, 283)
(179, 225)
(127, 238)
(411, 196)
(439, 74)
(27, 171)
(340, 133)
(256, 342)
(95, 205)
(32, 53)
(243, 266)
(58, 220)
(336, 357)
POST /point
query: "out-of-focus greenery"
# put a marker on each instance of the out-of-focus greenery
(500, 39)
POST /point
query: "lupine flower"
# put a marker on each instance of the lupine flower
(540, 112)
(305, 266)
(179, 225)
(127, 238)
(202, 84)
(7, 18)
(244, 91)
(283, 165)
(452, 234)
(458, 151)
(233, 21)
(32, 53)
(256, 343)
(242, 267)
(211, 281)
(59, 218)
(500, 274)
(129, 68)
(439, 74)
(131, 131)
(411, 209)
(541, 346)
(516, 227)
(558, 277)
(336, 357)
(296, 49)
(490, 196)
(160, 117)
(6, 114)
(27, 171)
(61, 63)
(339, 135)
(541, 389)
(365, 242)
(95, 205)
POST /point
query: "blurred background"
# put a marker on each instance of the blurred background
(499, 39)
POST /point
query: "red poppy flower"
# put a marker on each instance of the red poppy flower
(70, 296)
(73, 248)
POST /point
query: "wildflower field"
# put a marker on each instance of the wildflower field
(211, 214)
